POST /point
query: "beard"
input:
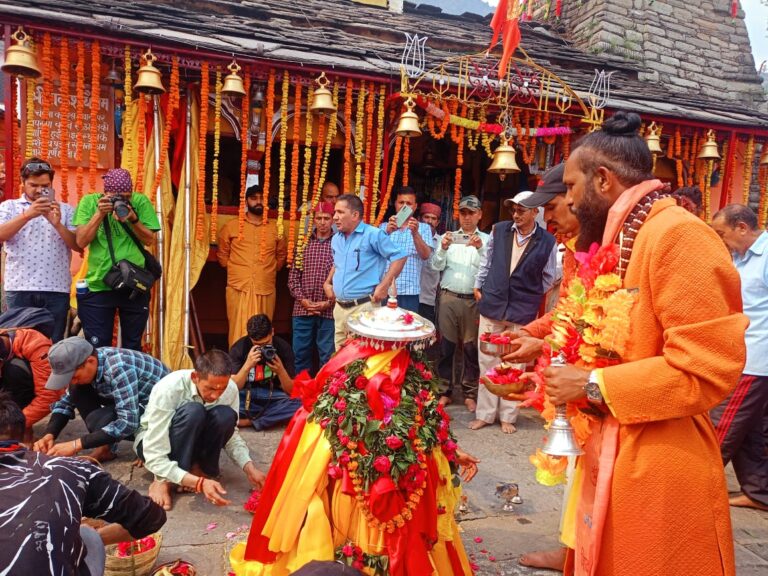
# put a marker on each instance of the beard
(592, 214)
(258, 210)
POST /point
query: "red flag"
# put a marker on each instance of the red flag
(505, 22)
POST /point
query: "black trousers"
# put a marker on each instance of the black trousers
(741, 424)
(96, 311)
(197, 436)
(17, 380)
(96, 411)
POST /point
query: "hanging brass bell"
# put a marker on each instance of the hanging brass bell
(408, 123)
(113, 77)
(653, 139)
(21, 58)
(708, 150)
(322, 99)
(233, 82)
(504, 161)
(150, 81)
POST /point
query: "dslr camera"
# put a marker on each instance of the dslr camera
(268, 353)
(120, 206)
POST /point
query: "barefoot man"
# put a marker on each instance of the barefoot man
(190, 418)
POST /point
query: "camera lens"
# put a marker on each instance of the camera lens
(120, 208)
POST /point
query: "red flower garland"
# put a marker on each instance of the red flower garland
(93, 156)
(79, 113)
(45, 126)
(294, 169)
(202, 149)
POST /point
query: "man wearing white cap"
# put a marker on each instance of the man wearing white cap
(516, 271)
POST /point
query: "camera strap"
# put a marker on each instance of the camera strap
(108, 234)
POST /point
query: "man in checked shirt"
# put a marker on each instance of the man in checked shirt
(109, 387)
(312, 309)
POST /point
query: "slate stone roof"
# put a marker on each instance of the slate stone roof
(353, 37)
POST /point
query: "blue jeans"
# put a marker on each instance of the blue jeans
(57, 303)
(268, 407)
(308, 330)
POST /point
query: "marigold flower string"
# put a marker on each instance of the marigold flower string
(141, 141)
(244, 141)
(285, 95)
(370, 107)
(202, 149)
(15, 139)
(347, 133)
(390, 180)
(749, 156)
(374, 192)
(407, 158)
(79, 115)
(29, 135)
(269, 110)
(170, 110)
(66, 105)
(93, 153)
(128, 118)
(45, 124)
(216, 150)
(330, 135)
(360, 118)
(306, 182)
(319, 148)
(294, 169)
(459, 173)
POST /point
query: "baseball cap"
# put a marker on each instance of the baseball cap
(470, 202)
(550, 185)
(117, 181)
(64, 357)
(522, 199)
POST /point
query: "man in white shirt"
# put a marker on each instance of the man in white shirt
(38, 237)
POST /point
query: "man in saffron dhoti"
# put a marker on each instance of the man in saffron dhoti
(649, 494)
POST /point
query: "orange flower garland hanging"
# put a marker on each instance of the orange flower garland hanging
(79, 115)
(406, 159)
(330, 135)
(244, 141)
(294, 168)
(749, 156)
(347, 133)
(128, 119)
(390, 181)
(319, 147)
(360, 118)
(284, 96)
(16, 146)
(763, 206)
(374, 193)
(141, 141)
(269, 110)
(29, 135)
(202, 149)
(64, 117)
(170, 109)
(216, 149)
(306, 182)
(459, 139)
(93, 156)
(370, 108)
(45, 127)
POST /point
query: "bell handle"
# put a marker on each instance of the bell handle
(234, 67)
(322, 80)
(20, 36)
(654, 129)
(148, 57)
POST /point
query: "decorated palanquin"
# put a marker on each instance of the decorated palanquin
(365, 472)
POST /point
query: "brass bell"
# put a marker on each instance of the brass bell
(504, 161)
(233, 83)
(113, 77)
(21, 58)
(322, 99)
(709, 150)
(150, 81)
(764, 155)
(653, 139)
(408, 123)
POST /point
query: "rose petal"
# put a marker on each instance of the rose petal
(492, 558)
(211, 526)
(478, 539)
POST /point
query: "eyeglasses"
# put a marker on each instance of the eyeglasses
(35, 167)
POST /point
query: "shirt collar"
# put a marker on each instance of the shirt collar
(470, 232)
(759, 246)
(531, 233)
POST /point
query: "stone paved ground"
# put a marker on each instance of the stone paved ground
(505, 536)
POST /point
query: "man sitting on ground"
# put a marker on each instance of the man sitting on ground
(191, 416)
(265, 372)
(109, 387)
(44, 499)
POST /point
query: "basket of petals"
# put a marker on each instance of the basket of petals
(133, 558)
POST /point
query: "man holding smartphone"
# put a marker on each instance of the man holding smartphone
(38, 236)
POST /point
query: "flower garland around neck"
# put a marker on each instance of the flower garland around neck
(749, 156)
(390, 181)
(45, 124)
(294, 169)
(141, 141)
(214, 228)
(202, 149)
(306, 183)
(330, 135)
(29, 135)
(245, 138)
(284, 97)
(170, 110)
(93, 153)
(359, 135)
(79, 115)
(347, 133)
(393, 445)
(128, 157)
(373, 193)
(66, 105)
(591, 330)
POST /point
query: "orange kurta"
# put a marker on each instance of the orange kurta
(668, 509)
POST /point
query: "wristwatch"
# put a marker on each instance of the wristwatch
(592, 388)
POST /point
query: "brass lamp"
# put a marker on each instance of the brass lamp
(322, 99)
(708, 150)
(233, 82)
(149, 81)
(408, 123)
(653, 139)
(504, 160)
(21, 58)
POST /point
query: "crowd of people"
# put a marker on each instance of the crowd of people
(694, 376)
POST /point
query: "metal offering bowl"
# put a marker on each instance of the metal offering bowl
(493, 349)
(503, 389)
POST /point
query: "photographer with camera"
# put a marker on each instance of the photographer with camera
(115, 226)
(37, 233)
(265, 372)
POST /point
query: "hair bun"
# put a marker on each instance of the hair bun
(622, 124)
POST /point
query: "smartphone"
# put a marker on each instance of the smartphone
(403, 215)
(47, 193)
(461, 238)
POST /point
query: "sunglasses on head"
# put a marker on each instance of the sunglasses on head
(36, 167)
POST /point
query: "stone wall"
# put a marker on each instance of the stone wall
(690, 46)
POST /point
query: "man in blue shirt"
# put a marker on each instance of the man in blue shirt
(359, 276)
(740, 420)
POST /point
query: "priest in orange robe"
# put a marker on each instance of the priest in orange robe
(649, 495)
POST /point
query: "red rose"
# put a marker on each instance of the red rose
(412, 433)
(340, 405)
(361, 382)
(348, 550)
(344, 459)
(393, 442)
(340, 419)
(324, 423)
(334, 471)
(382, 464)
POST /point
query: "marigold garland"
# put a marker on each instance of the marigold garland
(359, 119)
(170, 110)
(244, 145)
(763, 206)
(692, 168)
(66, 105)
(729, 158)
(306, 182)
(749, 156)
(566, 146)
(284, 96)
(678, 142)
(45, 126)
(459, 173)
(294, 168)
(29, 135)
(473, 136)
(128, 119)
(79, 115)
(406, 160)
(330, 135)
(269, 110)
(374, 192)
(93, 153)
(216, 149)
(141, 142)
(445, 122)
(706, 190)
(347, 133)
(390, 181)
(370, 107)
(202, 149)
(16, 143)
(319, 147)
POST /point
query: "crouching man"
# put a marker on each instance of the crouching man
(191, 416)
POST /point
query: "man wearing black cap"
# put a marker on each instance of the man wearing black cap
(101, 220)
